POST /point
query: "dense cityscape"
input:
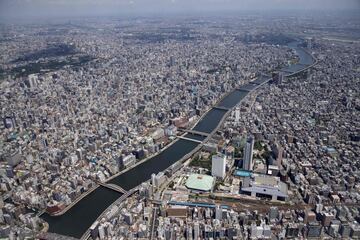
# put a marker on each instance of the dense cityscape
(232, 127)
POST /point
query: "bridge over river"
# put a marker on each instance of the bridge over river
(77, 220)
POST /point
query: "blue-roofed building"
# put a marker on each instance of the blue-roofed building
(242, 173)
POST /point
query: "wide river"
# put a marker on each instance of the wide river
(79, 218)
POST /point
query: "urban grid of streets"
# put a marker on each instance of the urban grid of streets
(83, 100)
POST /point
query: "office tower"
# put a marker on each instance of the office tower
(94, 230)
(33, 80)
(218, 213)
(274, 213)
(218, 166)
(196, 230)
(153, 180)
(281, 78)
(248, 154)
(128, 218)
(172, 61)
(278, 152)
(237, 114)
(278, 77)
(101, 232)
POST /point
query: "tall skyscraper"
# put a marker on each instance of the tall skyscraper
(248, 154)
(278, 77)
(33, 80)
(218, 165)
(281, 78)
(153, 181)
(237, 114)
(172, 61)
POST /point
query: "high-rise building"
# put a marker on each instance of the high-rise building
(281, 78)
(274, 213)
(94, 230)
(196, 230)
(218, 213)
(33, 80)
(218, 165)
(248, 163)
(101, 232)
(172, 61)
(153, 180)
(278, 152)
(237, 114)
(278, 77)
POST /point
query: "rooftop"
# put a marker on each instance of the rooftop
(200, 182)
(265, 184)
(242, 173)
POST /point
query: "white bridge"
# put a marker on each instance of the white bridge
(190, 139)
(195, 132)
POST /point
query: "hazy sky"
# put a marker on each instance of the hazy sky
(16, 8)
